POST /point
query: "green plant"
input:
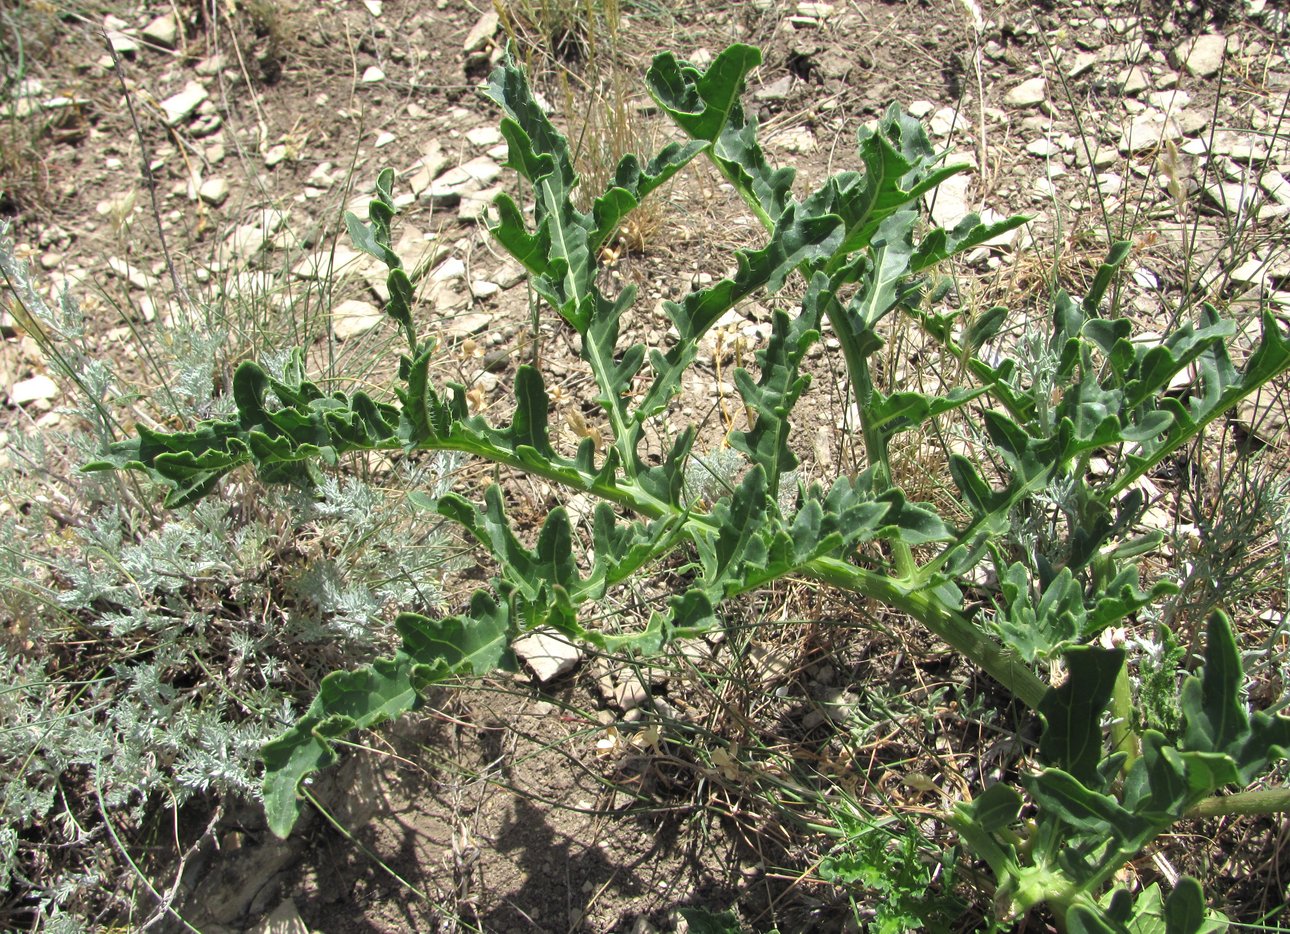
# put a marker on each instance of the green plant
(892, 876)
(858, 245)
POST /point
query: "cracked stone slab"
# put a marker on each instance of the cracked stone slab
(179, 107)
(547, 653)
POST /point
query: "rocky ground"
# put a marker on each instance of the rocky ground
(170, 159)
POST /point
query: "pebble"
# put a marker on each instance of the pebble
(132, 274)
(547, 653)
(121, 43)
(1133, 80)
(373, 75)
(948, 120)
(484, 136)
(1201, 56)
(162, 31)
(354, 317)
(210, 66)
(180, 107)
(1147, 131)
(214, 191)
(35, 389)
(275, 156)
(451, 268)
(1232, 197)
(1082, 64)
(1028, 94)
(481, 34)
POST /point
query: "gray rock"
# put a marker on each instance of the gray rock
(132, 274)
(179, 107)
(121, 43)
(429, 167)
(547, 653)
(630, 693)
(33, 390)
(467, 325)
(509, 275)
(484, 136)
(1133, 80)
(1277, 186)
(483, 170)
(325, 263)
(1028, 94)
(1081, 64)
(774, 92)
(947, 120)
(481, 34)
(451, 268)
(1043, 148)
(213, 191)
(1147, 131)
(948, 203)
(354, 317)
(210, 66)
(162, 31)
(1264, 414)
(1232, 197)
(1201, 56)
(1240, 147)
(372, 75)
(475, 204)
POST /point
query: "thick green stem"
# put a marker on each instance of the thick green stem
(1267, 801)
(1004, 666)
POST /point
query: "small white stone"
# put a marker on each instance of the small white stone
(1201, 56)
(213, 191)
(1133, 80)
(463, 325)
(162, 31)
(451, 268)
(1169, 100)
(276, 155)
(483, 170)
(38, 388)
(948, 120)
(920, 109)
(1276, 185)
(1148, 130)
(482, 33)
(373, 75)
(547, 653)
(132, 274)
(1232, 197)
(384, 139)
(180, 106)
(121, 43)
(1028, 93)
(354, 317)
(484, 136)
(948, 202)
(373, 7)
(1081, 64)
(1043, 148)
